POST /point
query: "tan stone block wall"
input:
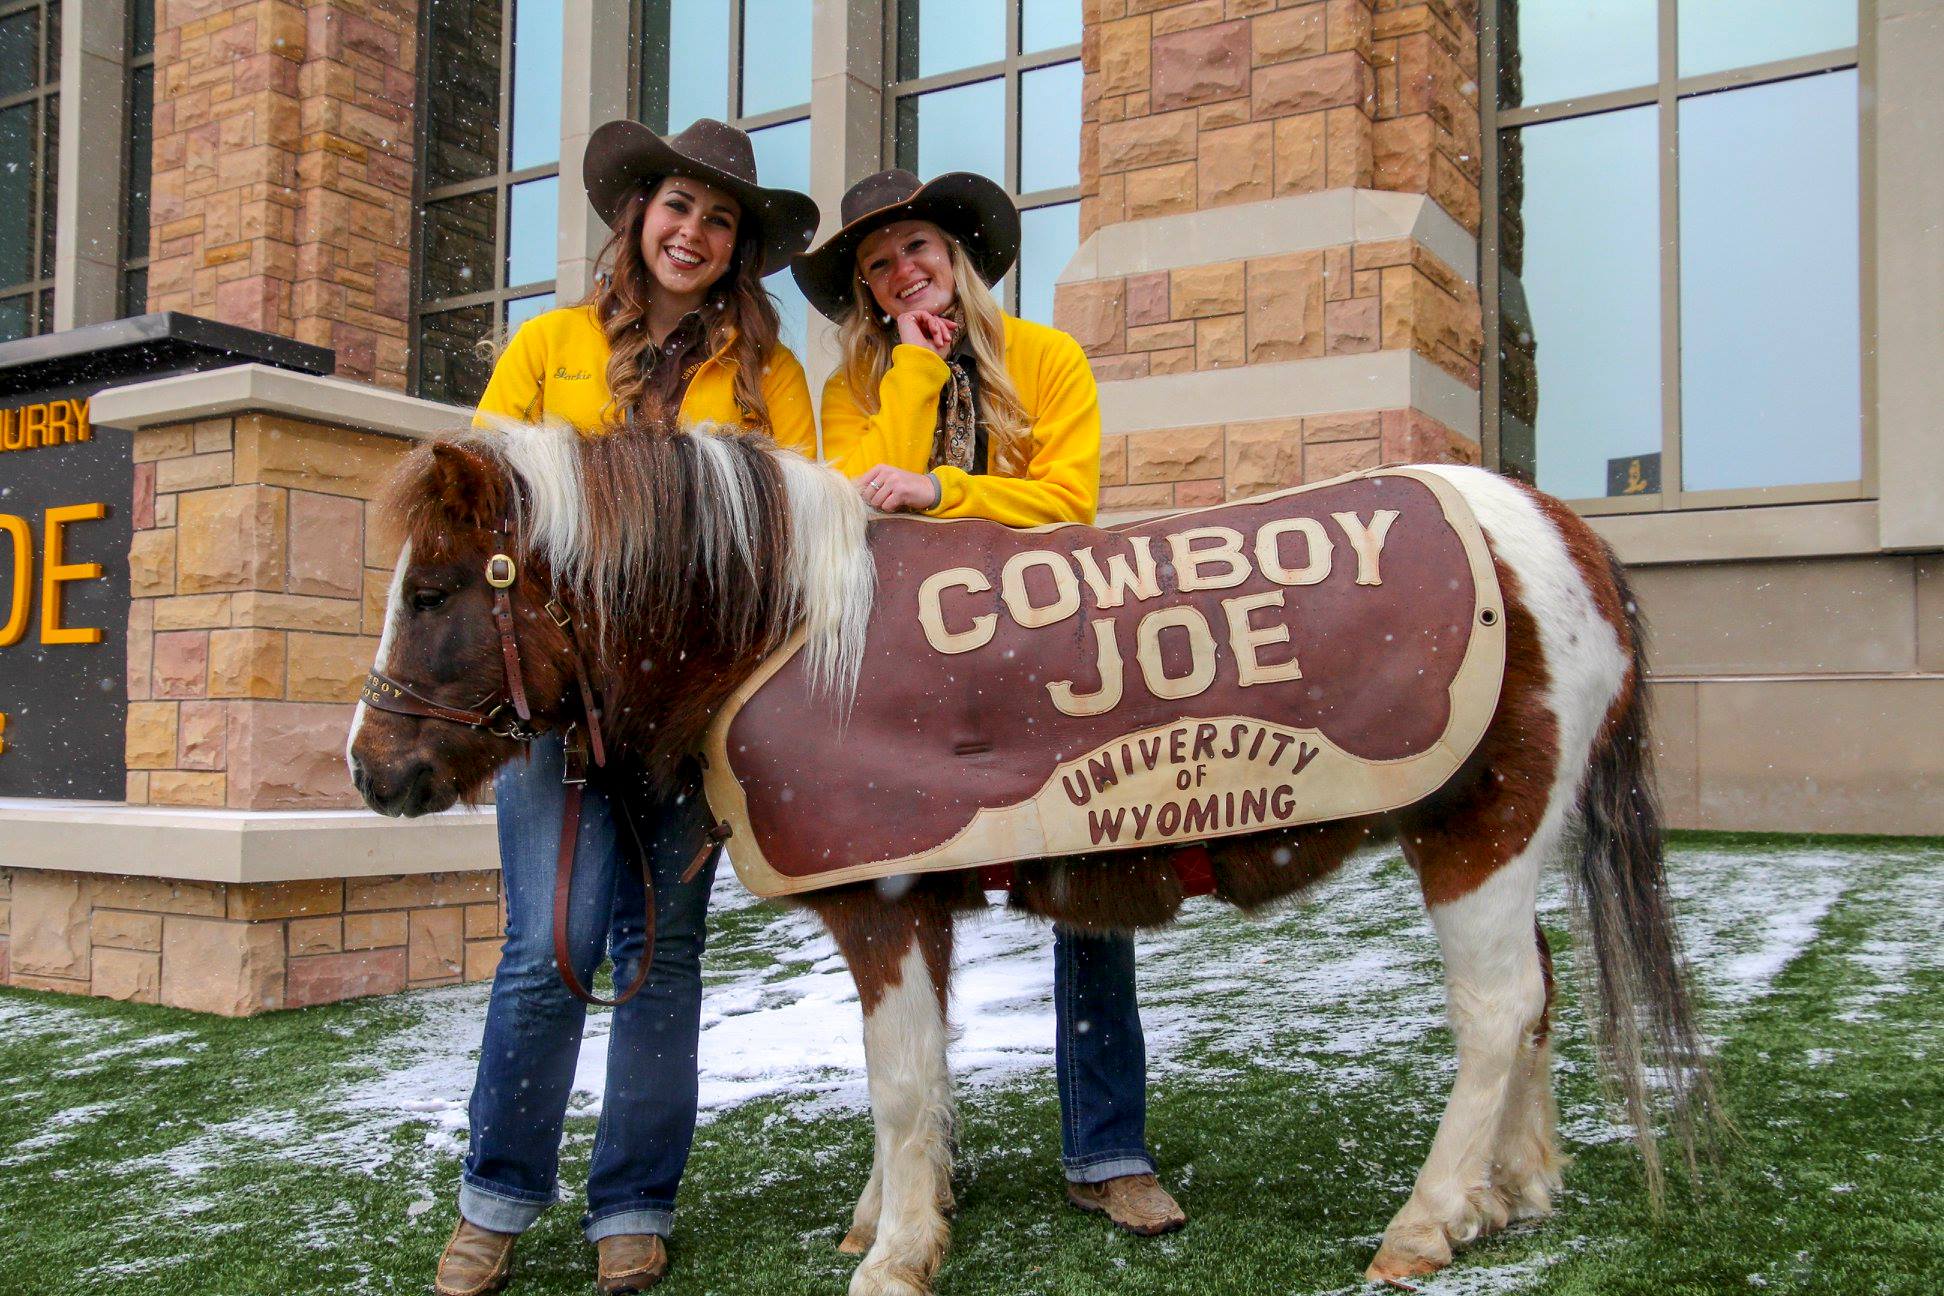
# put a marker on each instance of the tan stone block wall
(249, 630)
(1198, 103)
(283, 167)
(240, 949)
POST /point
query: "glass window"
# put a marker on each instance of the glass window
(1556, 49)
(1579, 296)
(488, 226)
(456, 245)
(14, 317)
(29, 145)
(783, 162)
(1048, 24)
(937, 36)
(1049, 146)
(961, 129)
(776, 56)
(138, 163)
(1047, 239)
(1688, 288)
(19, 167)
(536, 83)
(1771, 360)
(684, 60)
(532, 228)
(19, 52)
(462, 90)
(1716, 35)
(522, 309)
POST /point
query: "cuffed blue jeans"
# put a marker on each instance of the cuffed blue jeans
(533, 1024)
(1101, 1057)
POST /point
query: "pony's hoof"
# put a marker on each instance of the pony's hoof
(858, 1240)
(1399, 1259)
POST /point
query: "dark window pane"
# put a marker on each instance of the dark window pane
(462, 90)
(1716, 35)
(536, 83)
(1049, 128)
(1048, 24)
(1557, 49)
(51, 170)
(775, 56)
(684, 62)
(51, 70)
(534, 219)
(46, 324)
(141, 158)
(1047, 239)
(141, 34)
(522, 309)
(946, 35)
(134, 292)
(14, 314)
(1770, 370)
(954, 130)
(451, 365)
(19, 51)
(1579, 298)
(456, 246)
(19, 154)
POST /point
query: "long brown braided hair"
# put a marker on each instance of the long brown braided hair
(743, 310)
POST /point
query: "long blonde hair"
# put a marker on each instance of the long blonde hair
(620, 299)
(867, 345)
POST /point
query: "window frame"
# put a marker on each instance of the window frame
(38, 288)
(748, 124)
(500, 183)
(135, 234)
(1666, 93)
(1012, 67)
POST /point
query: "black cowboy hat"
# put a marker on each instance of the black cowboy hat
(624, 155)
(971, 208)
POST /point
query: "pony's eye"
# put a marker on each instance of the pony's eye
(428, 600)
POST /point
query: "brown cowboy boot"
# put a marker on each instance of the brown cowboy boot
(630, 1262)
(1137, 1203)
(476, 1261)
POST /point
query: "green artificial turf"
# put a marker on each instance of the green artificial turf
(160, 1152)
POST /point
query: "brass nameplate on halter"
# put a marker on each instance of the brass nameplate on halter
(1323, 652)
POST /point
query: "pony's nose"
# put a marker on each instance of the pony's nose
(403, 793)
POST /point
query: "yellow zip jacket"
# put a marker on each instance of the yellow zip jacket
(557, 365)
(1055, 384)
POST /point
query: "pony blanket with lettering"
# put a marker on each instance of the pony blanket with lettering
(1319, 653)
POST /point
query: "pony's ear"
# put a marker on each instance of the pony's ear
(463, 486)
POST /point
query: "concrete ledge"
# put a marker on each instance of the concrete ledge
(1727, 535)
(1374, 380)
(260, 389)
(1333, 218)
(240, 845)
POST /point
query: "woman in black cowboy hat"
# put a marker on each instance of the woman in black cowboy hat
(678, 330)
(946, 405)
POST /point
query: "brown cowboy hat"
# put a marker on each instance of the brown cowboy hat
(624, 155)
(971, 208)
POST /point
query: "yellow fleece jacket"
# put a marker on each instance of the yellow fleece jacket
(557, 365)
(1055, 384)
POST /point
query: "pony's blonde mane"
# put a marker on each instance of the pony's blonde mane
(627, 522)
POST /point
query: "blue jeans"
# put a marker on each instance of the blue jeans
(1101, 1057)
(533, 1025)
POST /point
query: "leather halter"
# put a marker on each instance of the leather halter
(491, 715)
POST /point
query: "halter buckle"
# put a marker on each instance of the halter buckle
(502, 722)
(500, 571)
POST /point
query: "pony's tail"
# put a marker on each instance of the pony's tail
(1644, 1020)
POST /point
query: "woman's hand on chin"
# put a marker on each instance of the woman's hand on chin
(922, 328)
(893, 490)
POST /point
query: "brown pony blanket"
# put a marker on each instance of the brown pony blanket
(1318, 653)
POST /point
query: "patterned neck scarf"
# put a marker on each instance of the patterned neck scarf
(956, 442)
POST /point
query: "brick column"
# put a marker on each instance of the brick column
(1277, 280)
(283, 171)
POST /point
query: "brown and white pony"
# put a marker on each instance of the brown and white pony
(689, 557)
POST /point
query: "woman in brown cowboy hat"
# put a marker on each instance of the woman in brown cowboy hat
(946, 405)
(678, 330)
